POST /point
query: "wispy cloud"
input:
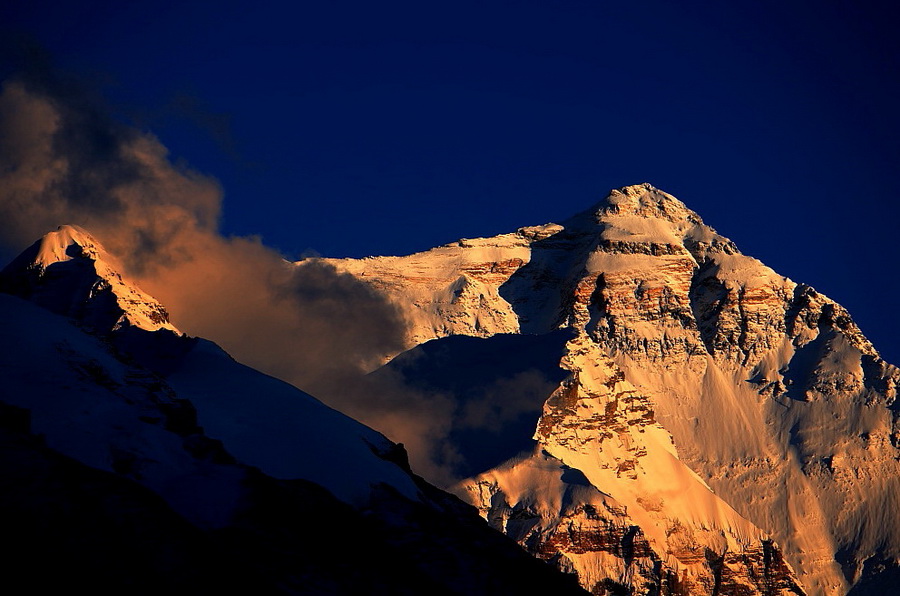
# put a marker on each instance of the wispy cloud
(65, 160)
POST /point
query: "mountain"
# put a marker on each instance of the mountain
(137, 459)
(68, 272)
(718, 428)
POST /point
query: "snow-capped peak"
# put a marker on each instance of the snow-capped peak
(698, 375)
(647, 201)
(69, 272)
(57, 246)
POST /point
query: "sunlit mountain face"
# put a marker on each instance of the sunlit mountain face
(631, 405)
(214, 377)
(716, 423)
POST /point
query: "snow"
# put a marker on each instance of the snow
(283, 431)
(756, 407)
(80, 401)
(444, 291)
(71, 243)
(634, 228)
(101, 416)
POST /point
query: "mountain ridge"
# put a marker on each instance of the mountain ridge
(111, 423)
(714, 427)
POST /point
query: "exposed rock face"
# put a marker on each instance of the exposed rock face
(558, 515)
(723, 405)
(571, 523)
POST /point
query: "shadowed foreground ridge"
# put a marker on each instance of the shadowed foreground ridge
(135, 459)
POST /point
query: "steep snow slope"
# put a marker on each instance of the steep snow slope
(108, 480)
(68, 272)
(759, 381)
(92, 406)
(284, 432)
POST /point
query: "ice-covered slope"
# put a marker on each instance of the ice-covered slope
(759, 381)
(108, 480)
(284, 432)
(115, 415)
(69, 272)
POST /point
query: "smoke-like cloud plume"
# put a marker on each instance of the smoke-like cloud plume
(65, 160)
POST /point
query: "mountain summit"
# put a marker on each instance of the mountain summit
(714, 415)
(624, 393)
(68, 272)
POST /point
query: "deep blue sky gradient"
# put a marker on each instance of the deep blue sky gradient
(353, 128)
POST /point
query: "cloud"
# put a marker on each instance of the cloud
(422, 420)
(65, 160)
(451, 431)
(68, 163)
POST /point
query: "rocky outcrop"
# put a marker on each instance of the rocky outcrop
(555, 513)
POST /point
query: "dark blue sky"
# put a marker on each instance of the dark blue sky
(385, 128)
